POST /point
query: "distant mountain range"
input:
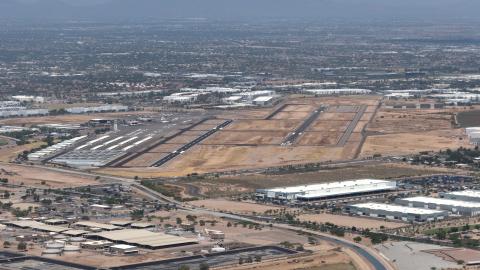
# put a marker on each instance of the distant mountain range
(339, 10)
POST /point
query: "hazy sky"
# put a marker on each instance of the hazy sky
(343, 10)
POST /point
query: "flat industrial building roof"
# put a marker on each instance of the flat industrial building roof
(398, 208)
(440, 201)
(334, 189)
(91, 224)
(75, 232)
(37, 226)
(466, 193)
(325, 186)
(144, 238)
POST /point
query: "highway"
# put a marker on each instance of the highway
(292, 137)
(189, 145)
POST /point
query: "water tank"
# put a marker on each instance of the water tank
(53, 245)
(71, 248)
(51, 251)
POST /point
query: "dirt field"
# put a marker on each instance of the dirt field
(410, 143)
(349, 221)
(233, 206)
(390, 121)
(299, 108)
(206, 158)
(272, 125)
(319, 138)
(34, 177)
(330, 126)
(10, 152)
(291, 115)
(246, 137)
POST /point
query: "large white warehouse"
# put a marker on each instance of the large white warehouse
(465, 195)
(327, 190)
(455, 206)
(396, 212)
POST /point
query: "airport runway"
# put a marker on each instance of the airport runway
(189, 145)
(292, 137)
(351, 127)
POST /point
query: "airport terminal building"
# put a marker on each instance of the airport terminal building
(454, 206)
(396, 212)
(328, 190)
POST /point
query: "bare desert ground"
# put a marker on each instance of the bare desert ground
(17, 174)
(349, 221)
(411, 143)
(233, 206)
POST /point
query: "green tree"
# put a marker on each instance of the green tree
(204, 266)
(357, 239)
(441, 234)
(22, 246)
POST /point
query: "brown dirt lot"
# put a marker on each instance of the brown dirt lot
(360, 126)
(233, 206)
(412, 143)
(207, 158)
(214, 157)
(409, 121)
(248, 137)
(349, 221)
(330, 125)
(291, 115)
(337, 116)
(287, 125)
(10, 152)
(299, 108)
(33, 176)
(319, 138)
